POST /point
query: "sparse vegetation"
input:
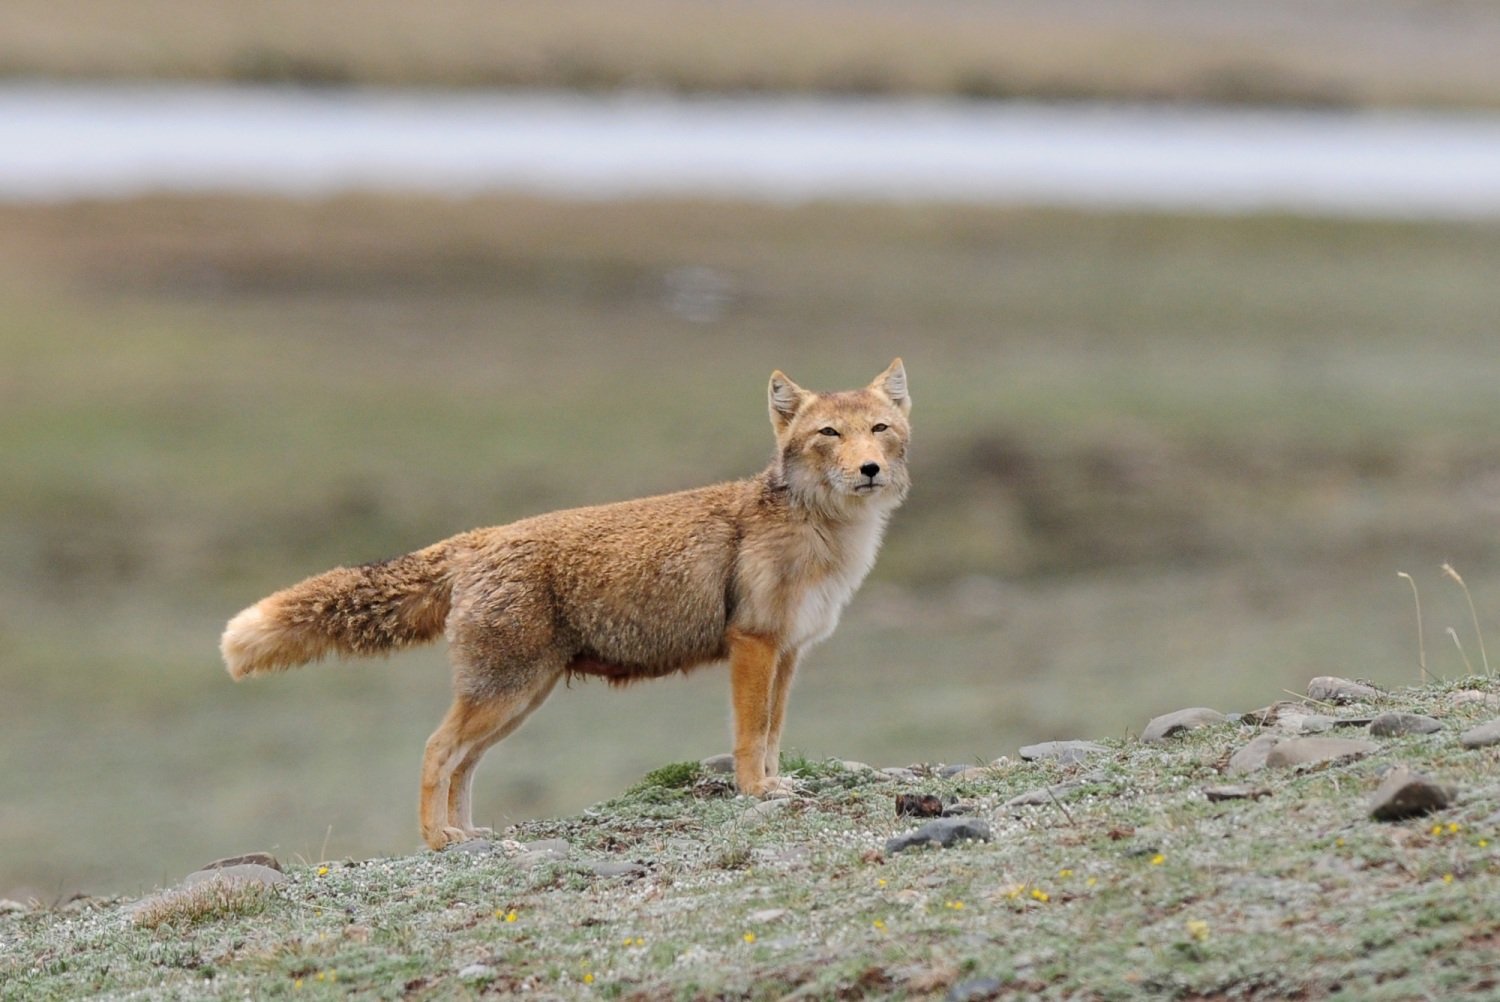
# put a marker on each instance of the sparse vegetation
(1143, 889)
(214, 899)
(1156, 459)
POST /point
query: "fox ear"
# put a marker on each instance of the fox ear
(892, 382)
(786, 398)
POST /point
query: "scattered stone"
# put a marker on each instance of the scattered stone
(1267, 716)
(559, 846)
(9, 906)
(976, 990)
(1353, 721)
(766, 808)
(1395, 724)
(1465, 697)
(615, 868)
(1407, 794)
(249, 873)
(943, 832)
(918, 805)
(1310, 751)
(473, 847)
(975, 772)
(718, 763)
(1482, 736)
(1293, 722)
(852, 766)
(477, 972)
(900, 773)
(1240, 792)
(1064, 752)
(1041, 795)
(549, 850)
(258, 858)
(1180, 722)
(766, 916)
(949, 771)
(1332, 689)
(1252, 756)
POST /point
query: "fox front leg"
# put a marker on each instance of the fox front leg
(752, 677)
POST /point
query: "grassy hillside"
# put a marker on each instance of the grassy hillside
(1128, 883)
(1330, 52)
(1157, 460)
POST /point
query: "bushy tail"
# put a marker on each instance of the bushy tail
(351, 611)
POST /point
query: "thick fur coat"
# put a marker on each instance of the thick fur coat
(752, 571)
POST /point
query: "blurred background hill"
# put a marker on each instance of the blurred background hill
(1161, 459)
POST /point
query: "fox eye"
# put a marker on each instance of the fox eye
(880, 427)
(829, 431)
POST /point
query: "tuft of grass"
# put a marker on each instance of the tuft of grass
(1421, 643)
(210, 900)
(676, 776)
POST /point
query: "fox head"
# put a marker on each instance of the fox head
(844, 452)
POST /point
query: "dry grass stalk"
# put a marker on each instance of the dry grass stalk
(1421, 646)
(1473, 615)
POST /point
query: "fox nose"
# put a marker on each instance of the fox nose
(870, 469)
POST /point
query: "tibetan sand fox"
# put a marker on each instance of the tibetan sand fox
(753, 572)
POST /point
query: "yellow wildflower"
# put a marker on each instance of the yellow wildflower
(1198, 929)
(1158, 859)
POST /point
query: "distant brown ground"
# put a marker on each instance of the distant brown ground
(1338, 52)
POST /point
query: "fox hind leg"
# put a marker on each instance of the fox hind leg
(472, 724)
(461, 783)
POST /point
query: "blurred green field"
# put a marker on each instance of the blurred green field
(1160, 461)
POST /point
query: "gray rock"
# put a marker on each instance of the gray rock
(473, 847)
(852, 766)
(718, 763)
(1240, 792)
(1065, 752)
(1482, 736)
(974, 772)
(258, 858)
(1180, 722)
(766, 808)
(1332, 689)
(1293, 722)
(9, 906)
(1042, 795)
(1469, 697)
(1407, 794)
(766, 916)
(900, 773)
(976, 990)
(943, 832)
(1252, 756)
(548, 850)
(614, 868)
(949, 771)
(1310, 751)
(249, 873)
(1394, 724)
(477, 972)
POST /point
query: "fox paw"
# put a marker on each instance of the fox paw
(446, 836)
(774, 787)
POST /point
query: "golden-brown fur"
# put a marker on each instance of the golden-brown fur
(751, 571)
